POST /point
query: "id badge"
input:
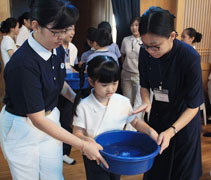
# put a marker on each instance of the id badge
(161, 95)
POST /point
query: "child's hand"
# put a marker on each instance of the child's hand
(154, 135)
(91, 150)
(143, 107)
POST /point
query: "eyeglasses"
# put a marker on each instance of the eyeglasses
(153, 48)
(58, 33)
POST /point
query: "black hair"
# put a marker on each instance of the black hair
(193, 33)
(101, 68)
(134, 19)
(90, 33)
(58, 12)
(25, 16)
(89, 36)
(8, 24)
(157, 21)
(102, 37)
(106, 25)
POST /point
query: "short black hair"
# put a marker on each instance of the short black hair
(193, 33)
(102, 37)
(157, 21)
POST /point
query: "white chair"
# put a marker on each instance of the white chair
(203, 108)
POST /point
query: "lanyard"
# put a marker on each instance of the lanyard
(161, 78)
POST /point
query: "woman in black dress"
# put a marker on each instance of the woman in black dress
(171, 69)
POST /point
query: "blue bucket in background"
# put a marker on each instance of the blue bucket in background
(74, 81)
(127, 152)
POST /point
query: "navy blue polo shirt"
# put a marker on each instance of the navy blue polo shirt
(34, 78)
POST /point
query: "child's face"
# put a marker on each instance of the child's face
(134, 28)
(69, 34)
(104, 90)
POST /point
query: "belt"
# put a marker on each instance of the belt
(48, 112)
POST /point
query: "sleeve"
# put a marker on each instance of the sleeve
(79, 120)
(193, 82)
(130, 109)
(123, 47)
(118, 54)
(144, 80)
(9, 44)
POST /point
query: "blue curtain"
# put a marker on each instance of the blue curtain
(124, 11)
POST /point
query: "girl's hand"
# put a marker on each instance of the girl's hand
(143, 107)
(153, 134)
(91, 150)
(164, 139)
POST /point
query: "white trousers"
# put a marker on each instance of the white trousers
(31, 153)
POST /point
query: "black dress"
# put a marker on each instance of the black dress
(180, 74)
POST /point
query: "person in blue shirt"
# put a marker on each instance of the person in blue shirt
(172, 70)
(30, 133)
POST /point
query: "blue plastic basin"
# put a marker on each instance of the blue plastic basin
(74, 81)
(128, 152)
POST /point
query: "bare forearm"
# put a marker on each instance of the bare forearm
(68, 93)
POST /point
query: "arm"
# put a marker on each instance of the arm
(165, 137)
(10, 52)
(91, 150)
(81, 133)
(68, 92)
(146, 104)
(123, 57)
(143, 127)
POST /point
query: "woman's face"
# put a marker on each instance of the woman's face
(134, 28)
(27, 23)
(47, 36)
(186, 38)
(157, 46)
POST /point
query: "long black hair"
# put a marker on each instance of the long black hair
(24, 16)
(101, 68)
(8, 24)
(157, 21)
(193, 33)
(58, 12)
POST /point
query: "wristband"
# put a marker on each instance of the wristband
(175, 129)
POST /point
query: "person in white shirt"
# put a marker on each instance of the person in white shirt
(25, 27)
(64, 105)
(130, 75)
(104, 110)
(11, 29)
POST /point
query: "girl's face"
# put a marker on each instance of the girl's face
(157, 46)
(27, 23)
(186, 38)
(68, 37)
(103, 91)
(48, 37)
(15, 30)
(134, 28)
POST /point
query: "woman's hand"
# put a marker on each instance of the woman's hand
(164, 139)
(143, 107)
(91, 150)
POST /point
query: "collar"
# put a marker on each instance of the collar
(39, 49)
(102, 50)
(96, 104)
(132, 38)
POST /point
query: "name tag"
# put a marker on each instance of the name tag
(161, 95)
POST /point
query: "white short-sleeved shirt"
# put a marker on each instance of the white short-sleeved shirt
(23, 35)
(70, 57)
(114, 48)
(7, 43)
(90, 114)
(131, 47)
(102, 52)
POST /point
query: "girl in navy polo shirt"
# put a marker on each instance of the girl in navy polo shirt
(30, 132)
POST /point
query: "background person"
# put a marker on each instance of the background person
(11, 28)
